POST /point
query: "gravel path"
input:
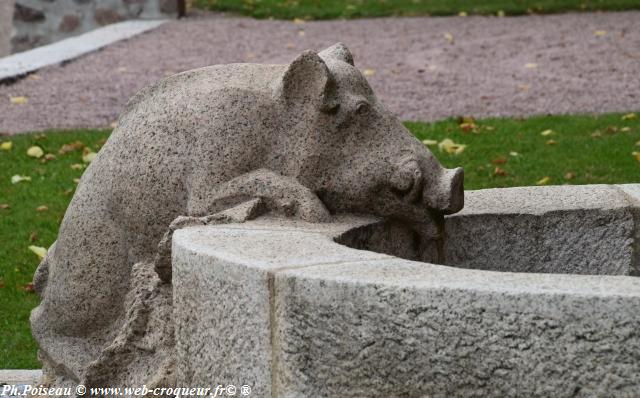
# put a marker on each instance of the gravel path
(424, 68)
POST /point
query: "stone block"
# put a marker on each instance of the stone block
(555, 229)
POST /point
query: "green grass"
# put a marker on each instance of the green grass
(329, 9)
(593, 149)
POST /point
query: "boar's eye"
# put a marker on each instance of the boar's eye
(363, 108)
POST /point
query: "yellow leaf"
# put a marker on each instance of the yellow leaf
(35, 152)
(462, 14)
(544, 181)
(449, 146)
(6, 146)
(547, 133)
(569, 175)
(636, 155)
(298, 21)
(430, 142)
(551, 142)
(629, 116)
(76, 180)
(625, 129)
(596, 134)
(77, 166)
(531, 65)
(42, 208)
(514, 154)
(449, 37)
(20, 100)
(18, 178)
(500, 13)
(638, 143)
(600, 33)
(369, 72)
(39, 251)
(88, 157)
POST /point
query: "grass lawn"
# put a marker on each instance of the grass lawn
(498, 153)
(328, 9)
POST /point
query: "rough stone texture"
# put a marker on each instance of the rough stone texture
(6, 16)
(557, 229)
(390, 327)
(40, 22)
(217, 145)
(419, 75)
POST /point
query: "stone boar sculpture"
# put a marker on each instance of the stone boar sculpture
(216, 144)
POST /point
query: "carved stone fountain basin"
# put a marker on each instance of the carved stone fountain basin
(537, 298)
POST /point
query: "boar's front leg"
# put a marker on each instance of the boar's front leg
(240, 199)
(276, 192)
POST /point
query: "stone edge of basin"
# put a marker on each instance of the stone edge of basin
(266, 291)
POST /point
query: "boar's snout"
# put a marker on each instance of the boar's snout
(447, 194)
(443, 192)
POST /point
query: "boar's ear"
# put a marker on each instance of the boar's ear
(338, 52)
(307, 79)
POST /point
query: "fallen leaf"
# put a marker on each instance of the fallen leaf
(611, 130)
(596, 134)
(449, 37)
(569, 175)
(625, 129)
(551, 142)
(290, 45)
(18, 178)
(6, 145)
(499, 172)
(547, 133)
(35, 152)
(600, 33)
(74, 146)
(2, 285)
(430, 142)
(462, 14)
(39, 251)
(629, 116)
(301, 33)
(34, 76)
(449, 146)
(500, 14)
(33, 237)
(544, 181)
(514, 154)
(68, 192)
(5, 206)
(298, 21)
(29, 288)
(638, 143)
(113, 125)
(76, 180)
(499, 160)
(369, 72)
(636, 155)
(467, 127)
(524, 87)
(531, 65)
(42, 208)
(49, 156)
(88, 156)
(77, 166)
(20, 100)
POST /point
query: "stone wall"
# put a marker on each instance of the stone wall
(39, 22)
(6, 12)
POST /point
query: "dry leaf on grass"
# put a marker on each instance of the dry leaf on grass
(42, 208)
(500, 172)
(547, 133)
(430, 142)
(39, 251)
(18, 178)
(35, 152)
(543, 181)
(629, 116)
(448, 146)
(6, 145)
